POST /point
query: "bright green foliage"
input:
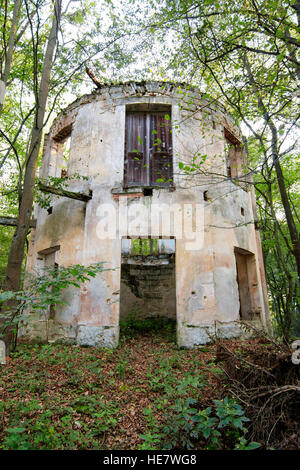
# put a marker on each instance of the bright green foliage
(220, 426)
(281, 269)
(73, 416)
(43, 290)
(145, 246)
(38, 431)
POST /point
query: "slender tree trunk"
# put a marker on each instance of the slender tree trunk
(16, 254)
(288, 212)
(9, 52)
(280, 178)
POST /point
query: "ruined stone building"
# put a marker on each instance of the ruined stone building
(140, 150)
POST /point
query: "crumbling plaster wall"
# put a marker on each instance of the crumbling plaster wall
(206, 286)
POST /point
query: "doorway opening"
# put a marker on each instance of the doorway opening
(47, 260)
(247, 284)
(148, 286)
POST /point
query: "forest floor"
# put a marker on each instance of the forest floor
(146, 394)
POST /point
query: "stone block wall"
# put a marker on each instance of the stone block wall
(148, 290)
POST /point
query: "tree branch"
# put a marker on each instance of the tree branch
(64, 193)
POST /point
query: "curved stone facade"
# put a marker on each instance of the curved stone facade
(219, 273)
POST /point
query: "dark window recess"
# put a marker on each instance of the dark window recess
(148, 149)
(242, 211)
(52, 306)
(50, 210)
(234, 157)
(62, 151)
(148, 192)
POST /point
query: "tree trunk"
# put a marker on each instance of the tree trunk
(288, 212)
(9, 52)
(280, 178)
(16, 255)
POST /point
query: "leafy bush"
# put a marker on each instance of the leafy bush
(185, 427)
(42, 290)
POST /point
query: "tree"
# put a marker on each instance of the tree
(16, 254)
(32, 97)
(8, 48)
(43, 63)
(245, 55)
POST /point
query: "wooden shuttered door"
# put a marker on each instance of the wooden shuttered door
(148, 150)
(135, 149)
(161, 161)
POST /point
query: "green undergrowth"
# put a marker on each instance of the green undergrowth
(145, 394)
(134, 324)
